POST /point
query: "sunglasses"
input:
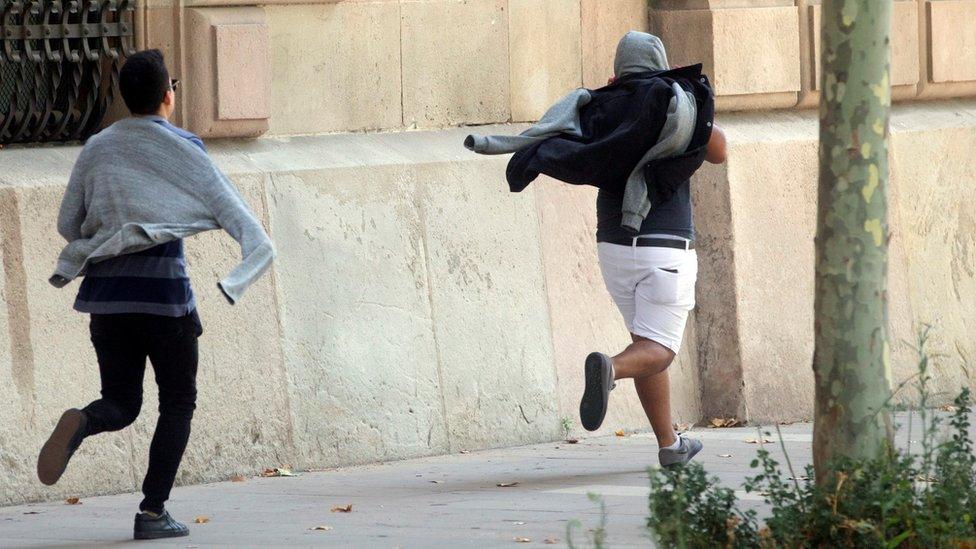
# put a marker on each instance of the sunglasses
(174, 84)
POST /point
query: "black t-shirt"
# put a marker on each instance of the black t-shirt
(671, 217)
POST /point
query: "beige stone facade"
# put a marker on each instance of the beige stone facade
(417, 307)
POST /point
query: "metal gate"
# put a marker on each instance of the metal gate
(59, 66)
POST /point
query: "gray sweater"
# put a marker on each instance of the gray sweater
(637, 52)
(137, 185)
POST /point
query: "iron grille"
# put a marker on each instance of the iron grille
(59, 66)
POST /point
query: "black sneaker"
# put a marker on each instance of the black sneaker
(61, 445)
(599, 382)
(153, 526)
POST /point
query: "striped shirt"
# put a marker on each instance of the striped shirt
(152, 281)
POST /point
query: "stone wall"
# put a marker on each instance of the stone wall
(291, 67)
(756, 218)
(416, 306)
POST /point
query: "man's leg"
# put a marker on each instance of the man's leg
(174, 356)
(121, 364)
(642, 358)
(654, 392)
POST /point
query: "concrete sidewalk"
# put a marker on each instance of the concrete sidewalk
(448, 501)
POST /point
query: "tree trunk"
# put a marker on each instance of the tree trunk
(851, 359)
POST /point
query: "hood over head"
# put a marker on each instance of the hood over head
(639, 52)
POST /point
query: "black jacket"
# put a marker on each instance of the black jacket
(619, 125)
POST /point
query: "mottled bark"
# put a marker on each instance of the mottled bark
(851, 360)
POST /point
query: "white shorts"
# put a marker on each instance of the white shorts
(654, 288)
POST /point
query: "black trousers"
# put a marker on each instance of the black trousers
(122, 343)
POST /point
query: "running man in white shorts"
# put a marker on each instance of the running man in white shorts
(651, 278)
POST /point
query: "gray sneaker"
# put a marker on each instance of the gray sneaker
(688, 448)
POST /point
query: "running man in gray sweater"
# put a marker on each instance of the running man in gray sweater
(137, 189)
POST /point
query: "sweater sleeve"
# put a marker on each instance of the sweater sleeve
(561, 118)
(233, 215)
(72, 213)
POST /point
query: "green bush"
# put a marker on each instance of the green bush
(898, 500)
(902, 499)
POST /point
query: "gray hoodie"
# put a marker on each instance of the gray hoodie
(637, 52)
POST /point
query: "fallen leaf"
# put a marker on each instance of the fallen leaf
(620, 433)
(201, 519)
(725, 455)
(949, 408)
(507, 484)
(724, 422)
(757, 441)
(572, 441)
(465, 452)
(284, 471)
(238, 478)
(522, 540)
(681, 427)
(321, 528)
(341, 509)
(551, 541)
(73, 501)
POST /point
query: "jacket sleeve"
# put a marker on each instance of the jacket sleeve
(234, 216)
(73, 211)
(561, 118)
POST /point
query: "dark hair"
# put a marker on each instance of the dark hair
(144, 82)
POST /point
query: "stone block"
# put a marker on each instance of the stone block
(934, 224)
(755, 322)
(229, 79)
(243, 82)
(775, 305)
(455, 62)
(952, 41)
(604, 22)
(904, 46)
(53, 364)
(359, 335)
(489, 306)
(687, 35)
(545, 54)
(335, 67)
(756, 51)
(752, 55)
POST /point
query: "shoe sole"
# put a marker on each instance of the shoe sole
(159, 535)
(593, 406)
(53, 459)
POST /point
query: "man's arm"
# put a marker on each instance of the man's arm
(234, 216)
(715, 150)
(72, 212)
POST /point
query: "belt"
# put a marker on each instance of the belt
(642, 242)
